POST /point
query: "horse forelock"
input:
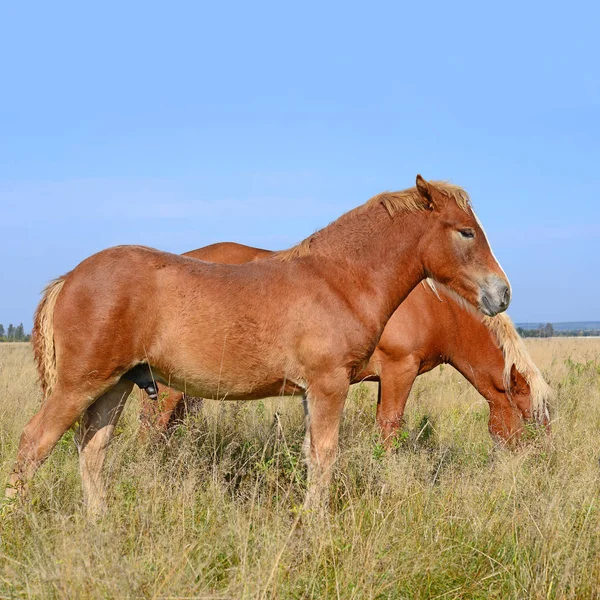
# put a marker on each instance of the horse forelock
(513, 349)
(516, 353)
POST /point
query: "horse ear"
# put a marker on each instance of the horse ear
(425, 191)
(518, 383)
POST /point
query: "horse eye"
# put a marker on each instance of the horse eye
(467, 233)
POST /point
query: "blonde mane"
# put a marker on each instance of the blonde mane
(297, 251)
(409, 200)
(513, 350)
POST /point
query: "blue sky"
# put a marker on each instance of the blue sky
(180, 124)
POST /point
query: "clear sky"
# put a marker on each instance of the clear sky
(179, 124)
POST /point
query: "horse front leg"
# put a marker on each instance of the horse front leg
(395, 383)
(326, 400)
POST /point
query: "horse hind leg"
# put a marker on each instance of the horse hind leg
(168, 409)
(306, 443)
(158, 410)
(96, 430)
(58, 413)
(176, 406)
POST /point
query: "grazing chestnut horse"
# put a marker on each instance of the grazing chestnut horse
(304, 320)
(432, 326)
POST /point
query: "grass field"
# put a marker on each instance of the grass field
(211, 512)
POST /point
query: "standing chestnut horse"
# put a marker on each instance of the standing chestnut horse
(432, 326)
(306, 319)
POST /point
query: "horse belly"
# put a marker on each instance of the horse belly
(237, 373)
(225, 387)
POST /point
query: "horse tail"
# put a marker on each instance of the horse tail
(42, 336)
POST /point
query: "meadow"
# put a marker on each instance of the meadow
(212, 510)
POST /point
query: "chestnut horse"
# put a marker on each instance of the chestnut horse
(304, 320)
(431, 327)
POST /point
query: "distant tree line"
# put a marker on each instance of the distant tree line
(14, 334)
(547, 330)
(544, 331)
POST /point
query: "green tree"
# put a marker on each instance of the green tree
(2, 332)
(10, 333)
(19, 333)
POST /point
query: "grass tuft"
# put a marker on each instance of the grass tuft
(213, 509)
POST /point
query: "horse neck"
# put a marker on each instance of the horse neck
(470, 347)
(378, 257)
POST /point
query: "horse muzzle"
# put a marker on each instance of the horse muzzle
(494, 297)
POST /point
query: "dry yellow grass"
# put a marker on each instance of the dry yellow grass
(211, 512)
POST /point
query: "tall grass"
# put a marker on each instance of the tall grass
(211, 510)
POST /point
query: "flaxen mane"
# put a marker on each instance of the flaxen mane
(297, 251)
(42, 337)
(409, 200)
(513, 349)
(515, 353)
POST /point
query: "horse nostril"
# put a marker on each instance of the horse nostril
(506, 297)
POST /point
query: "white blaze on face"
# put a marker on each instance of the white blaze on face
(491, 250)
